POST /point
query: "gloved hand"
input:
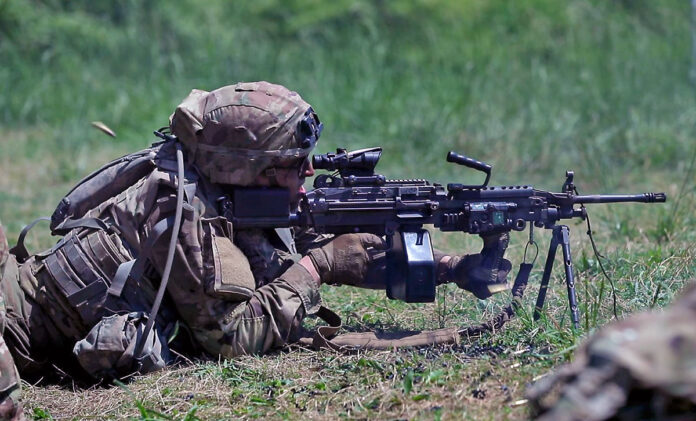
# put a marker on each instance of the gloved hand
(345, 260)
(482, 274)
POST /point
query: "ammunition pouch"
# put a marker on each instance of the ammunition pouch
(82, 267)
(229, 272)
(108, 351)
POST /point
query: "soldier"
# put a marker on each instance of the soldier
(643, 367)
(83, 305)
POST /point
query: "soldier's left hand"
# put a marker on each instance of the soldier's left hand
(483, 274)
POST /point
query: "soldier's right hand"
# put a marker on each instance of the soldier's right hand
(344, 261)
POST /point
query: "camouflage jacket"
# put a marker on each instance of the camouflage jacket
(238, 292)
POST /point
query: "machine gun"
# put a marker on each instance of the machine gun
(355, 199)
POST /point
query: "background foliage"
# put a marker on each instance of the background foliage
(534, 87)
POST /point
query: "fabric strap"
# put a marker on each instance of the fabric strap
(134, 268)
(20, 249)
(285, 236)
(326, 337)
(90, 223)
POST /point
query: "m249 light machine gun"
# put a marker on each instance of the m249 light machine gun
(355, 199)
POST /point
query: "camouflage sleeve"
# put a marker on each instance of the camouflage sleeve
(214, 291)
(307, 239)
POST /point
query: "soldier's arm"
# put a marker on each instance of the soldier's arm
(214, 292)
(307, 239)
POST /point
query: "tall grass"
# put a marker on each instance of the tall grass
(534, 86)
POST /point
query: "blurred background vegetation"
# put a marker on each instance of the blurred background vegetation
(533, 87)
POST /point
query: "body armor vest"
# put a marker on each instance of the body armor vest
(92, 264)
(87, 261)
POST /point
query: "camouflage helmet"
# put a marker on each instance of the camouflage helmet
(235, 133)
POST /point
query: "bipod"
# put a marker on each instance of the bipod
(560, 237)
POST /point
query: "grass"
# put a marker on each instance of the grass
(533, 87)
(482, 378)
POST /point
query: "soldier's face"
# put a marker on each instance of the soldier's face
(295, 179)
(292, 178)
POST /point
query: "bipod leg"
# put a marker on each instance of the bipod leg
(547, 275)
(570, 277)
(560, 236)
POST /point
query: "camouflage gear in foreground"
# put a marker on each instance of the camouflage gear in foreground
(643, 367)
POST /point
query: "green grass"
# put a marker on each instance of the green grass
(533, 87)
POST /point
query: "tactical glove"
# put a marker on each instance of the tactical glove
(345, 260)
(482, 274)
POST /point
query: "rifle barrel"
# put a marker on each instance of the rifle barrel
(615, 198)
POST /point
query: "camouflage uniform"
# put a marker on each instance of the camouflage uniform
(236, 292)
(643, 367)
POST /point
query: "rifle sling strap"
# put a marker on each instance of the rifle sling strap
(326, 337)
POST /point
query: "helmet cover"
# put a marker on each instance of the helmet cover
(234, 133)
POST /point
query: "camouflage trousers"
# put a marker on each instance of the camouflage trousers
(10, 388)
(28, 336)
(10, 391)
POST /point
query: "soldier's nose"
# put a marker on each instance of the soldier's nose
(310, 170)
(307, 169)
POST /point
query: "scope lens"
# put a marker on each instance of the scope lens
(321, 162)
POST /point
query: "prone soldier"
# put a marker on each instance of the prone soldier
(82, 306)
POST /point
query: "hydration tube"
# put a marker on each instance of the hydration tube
(170, 251)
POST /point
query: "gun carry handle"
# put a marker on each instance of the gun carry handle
(470, 163)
